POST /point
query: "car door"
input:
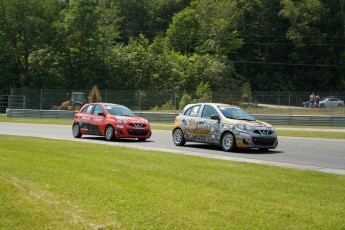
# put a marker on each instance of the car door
(334, 102)
(209, 129)
(189, 122)
(84, 119)
(97, 120)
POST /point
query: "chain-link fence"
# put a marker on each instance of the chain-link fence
(257, 102)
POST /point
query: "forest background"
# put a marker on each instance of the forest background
(172, 45)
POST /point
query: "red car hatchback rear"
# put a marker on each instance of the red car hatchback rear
(112, 121)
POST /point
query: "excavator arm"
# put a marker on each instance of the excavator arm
(94, 95)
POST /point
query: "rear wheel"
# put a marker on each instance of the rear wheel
(178, 137)
(228, 142)
(76, 130)
(109, 133)
(340, 105)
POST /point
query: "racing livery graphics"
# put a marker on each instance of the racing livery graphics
(227, 125)
(110, 120)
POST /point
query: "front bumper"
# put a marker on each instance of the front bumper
(125, 131)
(252, 140)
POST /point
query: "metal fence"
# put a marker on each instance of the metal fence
(4, 103)
(280, 102)
(274, 119)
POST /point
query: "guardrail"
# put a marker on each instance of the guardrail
(307, 120)
(34, 113)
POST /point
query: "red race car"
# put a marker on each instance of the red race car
(110, 120)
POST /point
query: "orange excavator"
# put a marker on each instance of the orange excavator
(78, 99)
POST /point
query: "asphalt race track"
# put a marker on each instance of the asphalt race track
(325, 155)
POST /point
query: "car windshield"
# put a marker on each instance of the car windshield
(235, 113)
(119, 110)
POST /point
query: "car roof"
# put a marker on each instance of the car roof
(104, 103)
(212, 103)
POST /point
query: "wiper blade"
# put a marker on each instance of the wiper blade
(245, 119)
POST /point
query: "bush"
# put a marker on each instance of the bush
(185, 100)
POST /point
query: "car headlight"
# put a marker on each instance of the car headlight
(121, 120)
(244, 127)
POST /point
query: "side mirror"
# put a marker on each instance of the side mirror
(101, 114)
(215, 117)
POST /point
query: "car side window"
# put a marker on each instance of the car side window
(87, 109)
(98, 109)
(208, 111)
(193, 111)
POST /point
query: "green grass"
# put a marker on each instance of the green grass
(54, 184)
(3, 118)
(311, 134)
(296, 111)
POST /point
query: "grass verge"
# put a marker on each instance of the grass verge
(3, 118)
(54, 184)
(311, 134)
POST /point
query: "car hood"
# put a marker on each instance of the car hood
(255, 123)
(135, 119)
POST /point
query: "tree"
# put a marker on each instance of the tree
(184, 31)
(204, 92)
(218, 21)
(27, 29)
(317, 43)
(265, 45)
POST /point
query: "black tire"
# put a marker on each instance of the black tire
(141, 139)
(178, 137)
(109, 133)
(77, 106)
(340, 105)
(76, 131)
(322, 106)
(228, 142)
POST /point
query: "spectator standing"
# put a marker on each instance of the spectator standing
(312, 100)
(317, 100)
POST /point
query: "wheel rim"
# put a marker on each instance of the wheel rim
(75, 130)
(178, 136)
(227, 141)
(109, 133)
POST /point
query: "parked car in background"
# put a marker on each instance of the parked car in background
(306, 103)
(222, 124)
(110, 120)
(331, 102)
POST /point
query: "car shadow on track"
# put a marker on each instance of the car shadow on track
(236, 150)
(124, 140)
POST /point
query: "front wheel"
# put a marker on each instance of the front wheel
(178, 137)
(76, 130)
(228, 142)
(141, 139)
(109, 133)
